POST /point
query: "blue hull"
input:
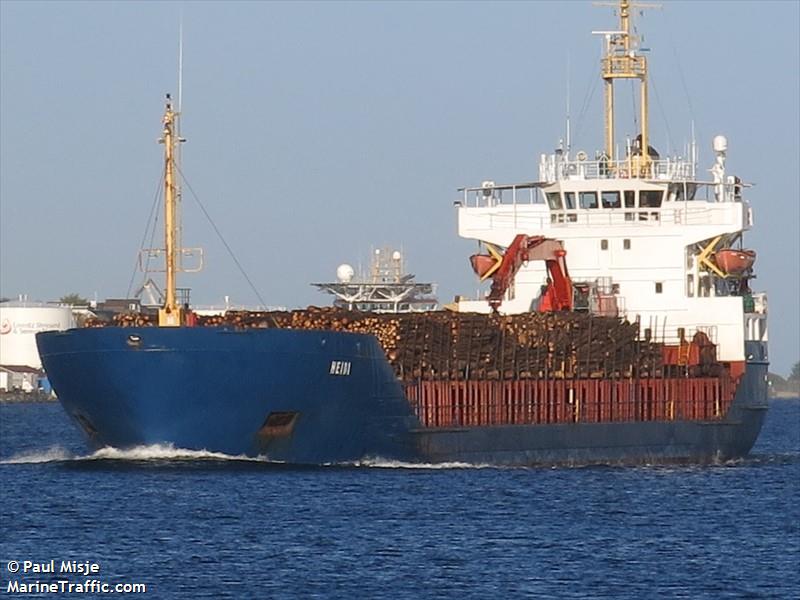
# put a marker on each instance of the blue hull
(318, 397)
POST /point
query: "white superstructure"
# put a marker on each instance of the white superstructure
(635, 225)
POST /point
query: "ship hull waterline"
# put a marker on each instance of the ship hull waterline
(217, 389)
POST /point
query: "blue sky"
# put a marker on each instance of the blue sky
(319, 130)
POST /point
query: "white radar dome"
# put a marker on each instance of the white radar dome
(396, 255)
(344, 273)
(720, 143)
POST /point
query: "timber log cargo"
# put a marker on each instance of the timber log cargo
(444, 345)
(469, 369)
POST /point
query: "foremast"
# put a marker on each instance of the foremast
(171, 314)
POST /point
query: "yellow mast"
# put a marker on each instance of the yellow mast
(621, 61)
(171, 314)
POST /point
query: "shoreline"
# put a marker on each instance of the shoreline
(26, 398)
(784, 395)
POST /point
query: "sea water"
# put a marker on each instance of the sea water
(189, 524)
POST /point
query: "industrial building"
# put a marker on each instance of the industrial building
(20, 321)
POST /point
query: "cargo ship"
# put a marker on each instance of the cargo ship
(620, 327)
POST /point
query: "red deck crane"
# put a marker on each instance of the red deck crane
(502, 268)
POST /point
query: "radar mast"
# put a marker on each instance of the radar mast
(622, 60)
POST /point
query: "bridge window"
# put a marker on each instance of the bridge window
(630, 199)
(683, 191)
(554, 200)
(659, 287)
(588, 199)
(650, 198)
(603, 244)
(611, 200)
(626, 244)
(569, 200)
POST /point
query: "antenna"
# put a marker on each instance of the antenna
(180, 61)
(569, 139)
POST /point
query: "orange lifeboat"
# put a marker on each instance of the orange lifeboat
(482, 264)
(735, 262)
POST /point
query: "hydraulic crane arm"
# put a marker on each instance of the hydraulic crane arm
(502, 268)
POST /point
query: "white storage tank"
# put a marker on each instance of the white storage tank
(19, 324)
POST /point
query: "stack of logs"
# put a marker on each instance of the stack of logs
(124, 320)
(466, 346)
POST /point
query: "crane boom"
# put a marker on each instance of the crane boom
(502, 268)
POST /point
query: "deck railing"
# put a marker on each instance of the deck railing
(504, 218)
(555, 168)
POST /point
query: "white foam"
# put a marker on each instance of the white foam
(52, 454)
(153, 452)
(381, 463)
(168, 452)
(165, 452)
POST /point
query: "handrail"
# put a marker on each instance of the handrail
(625, 217)
(555, 168)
